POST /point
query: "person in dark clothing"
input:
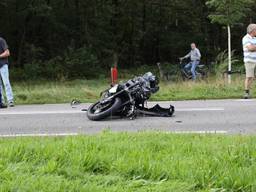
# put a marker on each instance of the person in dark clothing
(4, 72)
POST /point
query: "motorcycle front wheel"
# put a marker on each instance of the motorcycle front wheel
(98, 111)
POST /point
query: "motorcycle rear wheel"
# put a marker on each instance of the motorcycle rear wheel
(106, 112)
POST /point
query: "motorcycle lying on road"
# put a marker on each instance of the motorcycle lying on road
(128, 99)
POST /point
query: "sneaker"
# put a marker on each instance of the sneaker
(11, 104)
(3, 106)
(247, 96)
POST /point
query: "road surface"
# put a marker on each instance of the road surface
(211, 116)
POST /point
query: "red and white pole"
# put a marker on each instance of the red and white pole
(114, 75)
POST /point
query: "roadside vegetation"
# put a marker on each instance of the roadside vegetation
(129, 162)
(41, 92)
(62, 90)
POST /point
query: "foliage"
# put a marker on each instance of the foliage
(82, 63)
(221, 62)
(76, 63)
(228, 12)
(47, 34)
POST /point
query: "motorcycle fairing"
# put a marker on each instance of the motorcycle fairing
(157, 111)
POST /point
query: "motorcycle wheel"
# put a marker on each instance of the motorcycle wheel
(97, 111)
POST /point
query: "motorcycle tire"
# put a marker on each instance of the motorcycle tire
(116, 104)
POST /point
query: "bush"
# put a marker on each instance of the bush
(76, 63)
(17, 74)
(54, 69)
(82, 63)
(221, 63)
(32, 70)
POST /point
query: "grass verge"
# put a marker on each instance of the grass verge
(129, 163)
(89, 90)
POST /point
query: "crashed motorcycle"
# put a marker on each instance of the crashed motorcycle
(128, 100)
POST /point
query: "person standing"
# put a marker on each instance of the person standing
(249, 48)
(4, 71)
(195, 57)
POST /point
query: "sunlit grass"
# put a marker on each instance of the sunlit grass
(210, 89)
(89, 90)
(129, 162)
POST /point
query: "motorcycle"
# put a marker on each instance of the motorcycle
(128, 100)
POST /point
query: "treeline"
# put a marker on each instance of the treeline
(80, 38)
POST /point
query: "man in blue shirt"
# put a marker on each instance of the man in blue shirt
(195, 57)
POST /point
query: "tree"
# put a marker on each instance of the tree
(228, 12)
(131, 33)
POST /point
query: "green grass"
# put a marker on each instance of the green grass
(125, 162)
(210, 89)
(58, 92)
(89, 90)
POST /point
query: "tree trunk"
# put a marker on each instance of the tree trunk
(229, 55)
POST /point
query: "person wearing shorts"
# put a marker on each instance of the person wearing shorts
(249, 48)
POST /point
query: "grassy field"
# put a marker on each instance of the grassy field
(88, 90)
(125, 162)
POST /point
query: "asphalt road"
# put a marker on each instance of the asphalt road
(211, 116)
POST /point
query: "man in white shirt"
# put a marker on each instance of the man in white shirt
(249, 48)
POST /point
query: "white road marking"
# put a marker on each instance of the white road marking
(245, 100)
(199, 132)
(39, 135)
(4, 113)
(199, 109)
(76, 134)
(39, 112)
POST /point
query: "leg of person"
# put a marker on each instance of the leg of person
(187, 66)
(186, 70)
(1, 100)
(193, 69)
(7, 85)
(250, 73)
(0, 97)
(2, 105)
(2, 89)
